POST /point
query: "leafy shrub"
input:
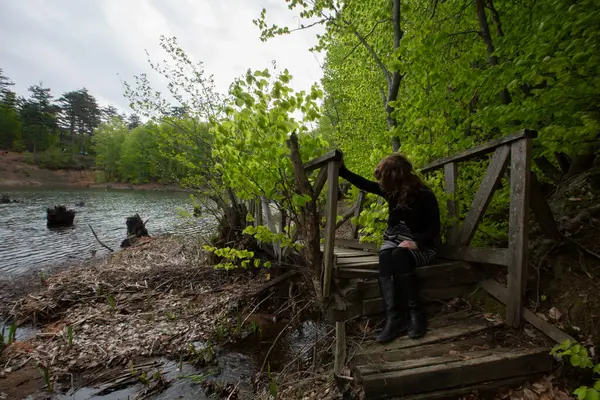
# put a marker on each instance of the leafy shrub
(579, 357)
(28, 158)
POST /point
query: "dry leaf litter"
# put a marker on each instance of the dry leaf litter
(151, 300)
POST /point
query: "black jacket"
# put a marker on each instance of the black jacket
(422, 216)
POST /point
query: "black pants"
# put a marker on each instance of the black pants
(396, 261)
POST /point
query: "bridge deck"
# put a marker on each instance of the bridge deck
(461, 352)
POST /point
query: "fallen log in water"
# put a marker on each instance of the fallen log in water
(59, 217)
(136, 228)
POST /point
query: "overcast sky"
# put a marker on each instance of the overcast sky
(70, 44)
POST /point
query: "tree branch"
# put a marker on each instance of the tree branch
(495, 17)
(302, 27)
(373, 54)
(435, 4)
(366, 36)
(464, 33)
(485, 32)
(99, 241)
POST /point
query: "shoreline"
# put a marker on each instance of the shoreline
(16, 174)
(20, 185)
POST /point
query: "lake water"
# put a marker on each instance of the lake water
(27, 244)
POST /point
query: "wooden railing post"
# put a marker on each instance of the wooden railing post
(518, 233)
(340, 347)
(333, 168)
(450, 187)
(359, 205)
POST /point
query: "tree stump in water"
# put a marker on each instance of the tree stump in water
(59, 217)
(197, 211)
(135, 228)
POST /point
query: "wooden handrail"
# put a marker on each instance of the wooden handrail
(480, 150)
(320, 161)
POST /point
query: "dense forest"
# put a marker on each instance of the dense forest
(56, 131)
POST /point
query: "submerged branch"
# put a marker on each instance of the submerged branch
(99, 241)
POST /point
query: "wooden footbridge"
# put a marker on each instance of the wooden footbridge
(464, 351)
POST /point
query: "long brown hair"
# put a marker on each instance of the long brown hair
(397, 180)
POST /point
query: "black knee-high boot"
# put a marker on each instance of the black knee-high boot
(395, 317)
(417, 320)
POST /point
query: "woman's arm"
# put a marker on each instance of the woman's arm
(360, 182)
(430, 217)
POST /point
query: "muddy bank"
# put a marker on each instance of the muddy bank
(93, 329)
(16, 173)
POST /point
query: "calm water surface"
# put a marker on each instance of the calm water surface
(26, 243)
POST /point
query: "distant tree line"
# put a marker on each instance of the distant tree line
(42, 122)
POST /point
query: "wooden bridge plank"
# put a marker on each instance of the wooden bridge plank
(434, 335)
(479, 150)
(427, 350)
(463, 285)
(456, 374)
(355, 244)
(440, 274)
(485, 389)
(367, 260)
(484, 194)
(357, 253)
(375, 305)
(484, 255)
(352, 308)
(420, 362)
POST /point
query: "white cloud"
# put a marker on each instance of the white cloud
(69, 44)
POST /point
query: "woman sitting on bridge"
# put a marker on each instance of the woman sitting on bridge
(408, 242)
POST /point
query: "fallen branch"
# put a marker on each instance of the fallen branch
(233, 391)
(582, 247)
(99, 241)
(273, 282)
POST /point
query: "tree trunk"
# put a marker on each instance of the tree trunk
(553, 173)
(487, 39)
(396, 78)
(563, 161)
(309, 217)
(581, 163)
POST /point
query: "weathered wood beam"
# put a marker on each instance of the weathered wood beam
(480, 150)
(321, 161)
(355, 244)
(333, 169)
(541, 210)
(501, 294)
(359, 205)
(320, 182)
(340, 347)
(484, 255)
(484, 194)
(451, 188)
(518, 229)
